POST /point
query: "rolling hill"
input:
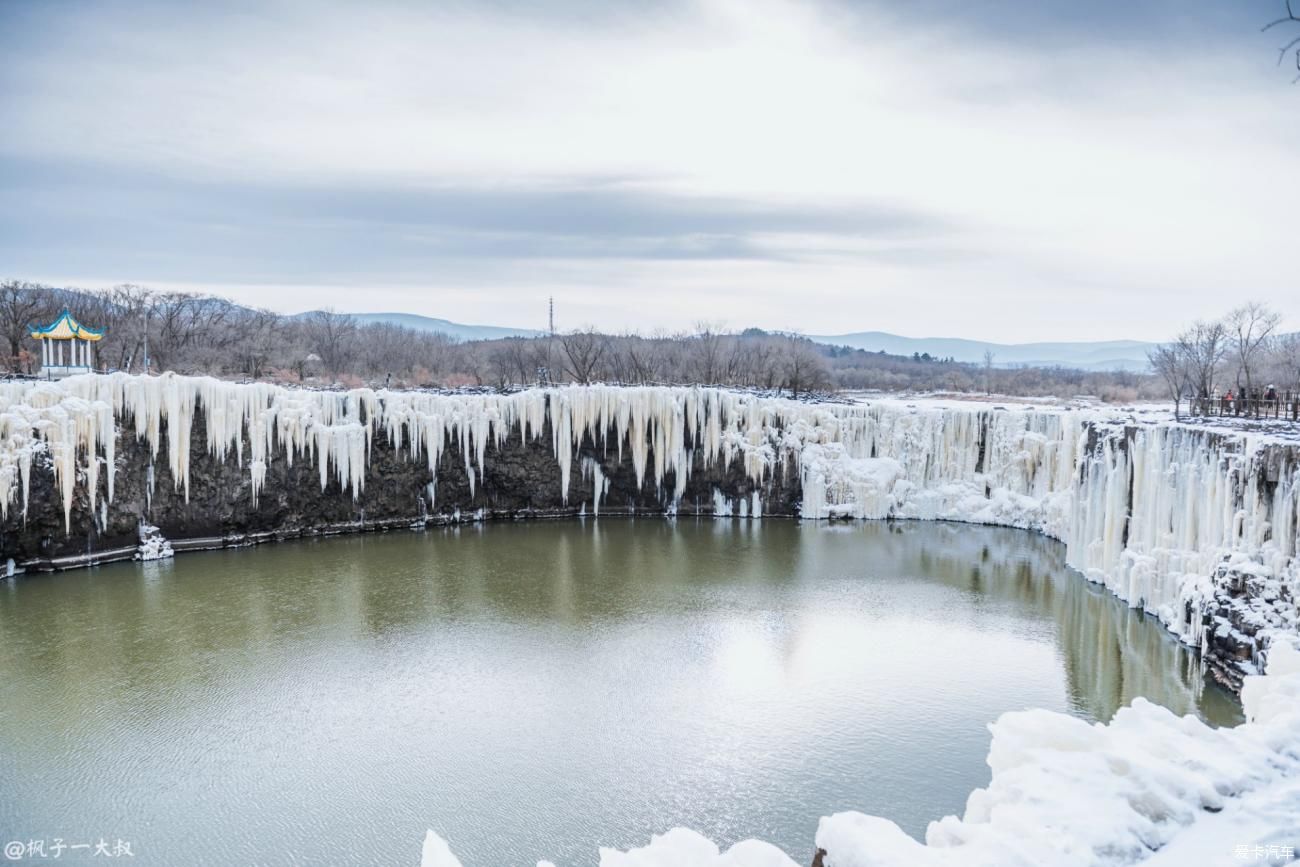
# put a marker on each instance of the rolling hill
(444, 326)
(1086, 355)
(1095, 355)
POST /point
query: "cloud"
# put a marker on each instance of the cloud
(967, 168)
(242, 231)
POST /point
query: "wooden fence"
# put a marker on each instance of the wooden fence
(1284, 406)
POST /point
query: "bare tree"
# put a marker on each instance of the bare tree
(1287, 359)
(583, 351)
(189, 332)
(20, 305)
(516, 361)
(263, 335)
(1203, 347)
(123, 312)
(1294, 44)
(805, 369)
(706, 354)
(639, 360)
(1170, 363)
(332, 336)
(988, 371)
(1251, 326)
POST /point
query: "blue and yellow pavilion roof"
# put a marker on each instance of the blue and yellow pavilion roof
(67, 328)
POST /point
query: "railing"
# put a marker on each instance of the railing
(1284, 406)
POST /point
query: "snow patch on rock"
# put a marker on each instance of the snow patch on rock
(152, 544)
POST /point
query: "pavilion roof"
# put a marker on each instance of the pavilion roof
(66, 327)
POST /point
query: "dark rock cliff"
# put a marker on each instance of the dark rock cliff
(520, 479)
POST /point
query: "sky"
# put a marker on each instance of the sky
(1010, 171)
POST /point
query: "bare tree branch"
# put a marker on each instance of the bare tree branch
(1294, 44)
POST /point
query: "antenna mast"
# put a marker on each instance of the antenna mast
(551, 319)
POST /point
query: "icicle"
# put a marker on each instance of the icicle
(592, 472)
(1141, 509)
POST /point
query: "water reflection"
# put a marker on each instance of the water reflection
(536, 690)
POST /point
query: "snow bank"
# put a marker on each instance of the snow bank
(437, 853)
(679, 847)
(1148, 787)
(1068, 793)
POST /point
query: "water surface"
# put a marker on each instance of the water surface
(537, 690)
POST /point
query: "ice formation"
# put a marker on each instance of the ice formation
(153, 545)
(1159, 513)
(1199, 527)
(1165, 515)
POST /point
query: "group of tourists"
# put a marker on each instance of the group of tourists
(1252, 398)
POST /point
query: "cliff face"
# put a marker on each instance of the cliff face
(519, 479)
(1197, 527)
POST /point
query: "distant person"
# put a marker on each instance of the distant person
(1227, 401)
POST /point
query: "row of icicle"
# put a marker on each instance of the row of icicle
(76, 423)
(1140, 511)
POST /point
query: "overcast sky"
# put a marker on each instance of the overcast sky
(1003, 170)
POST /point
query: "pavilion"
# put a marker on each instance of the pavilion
(67, 347)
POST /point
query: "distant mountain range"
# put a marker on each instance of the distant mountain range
(443, 326)
(1095, 355)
